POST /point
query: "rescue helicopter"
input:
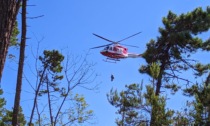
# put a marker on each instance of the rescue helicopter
(116, 51)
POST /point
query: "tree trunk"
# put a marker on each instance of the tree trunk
(49, 103)
(20, 67)
(8, 12)
(159, 80)
(36, 97)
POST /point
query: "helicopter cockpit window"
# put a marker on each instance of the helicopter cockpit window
(106, 48)
(110, 48)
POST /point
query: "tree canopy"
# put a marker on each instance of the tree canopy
(167, 57)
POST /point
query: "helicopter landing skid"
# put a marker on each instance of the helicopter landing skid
(111, 60)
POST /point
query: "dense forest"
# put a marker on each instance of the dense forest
(167, 56)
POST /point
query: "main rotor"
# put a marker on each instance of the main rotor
(115, 42)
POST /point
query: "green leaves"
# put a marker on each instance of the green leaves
(177, 35)
(64, 108)
(154, 70)
(79, 111)
(176, 43)
(206, 45)
(159, 114)
(201, 69)
(15, 32)
(168, 55)
(200, 106)
(52, 60)
(129, 103)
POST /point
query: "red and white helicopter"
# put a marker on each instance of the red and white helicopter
(115, 51)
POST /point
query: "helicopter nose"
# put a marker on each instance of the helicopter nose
(103, 52)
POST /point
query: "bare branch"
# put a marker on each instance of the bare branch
(180, 78)
(35, 17)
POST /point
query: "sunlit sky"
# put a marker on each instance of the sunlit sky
(68, 25)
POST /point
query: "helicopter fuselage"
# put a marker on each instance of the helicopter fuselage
(115, 51)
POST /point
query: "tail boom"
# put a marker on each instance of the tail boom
(133, 55)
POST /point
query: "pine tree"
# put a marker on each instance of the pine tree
(63, 107)
(175, 45)
(136, 107)
(6, 115)
(171, 51)
(9, 10)
(201, 93)
(2, 104)
(51, 67)
(158, 113)
(7, 119)
(129, 104)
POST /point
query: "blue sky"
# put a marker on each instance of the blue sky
(69, 25)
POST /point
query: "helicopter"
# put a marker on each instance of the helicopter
(115, 51)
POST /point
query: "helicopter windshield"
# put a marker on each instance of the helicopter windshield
(106, 48)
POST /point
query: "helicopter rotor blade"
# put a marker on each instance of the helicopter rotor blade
(130, 45)
(103, 38)
(128, 37)
(100, 46)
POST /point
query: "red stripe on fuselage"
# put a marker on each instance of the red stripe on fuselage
(113, 54)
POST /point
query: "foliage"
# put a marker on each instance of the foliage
(63, 107)
(159, 114)
(134, 107)
(201, 105)
(52, 60)
(182, 118)
(15, 32)
(201, 93)
(154, 70)
(2, 104)
(7, 119)
(171, 51)
(167, 57)
(14, 40)
(2, 109)
(177, 42)
(78, 113)
(129, 104)
(6, 115)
